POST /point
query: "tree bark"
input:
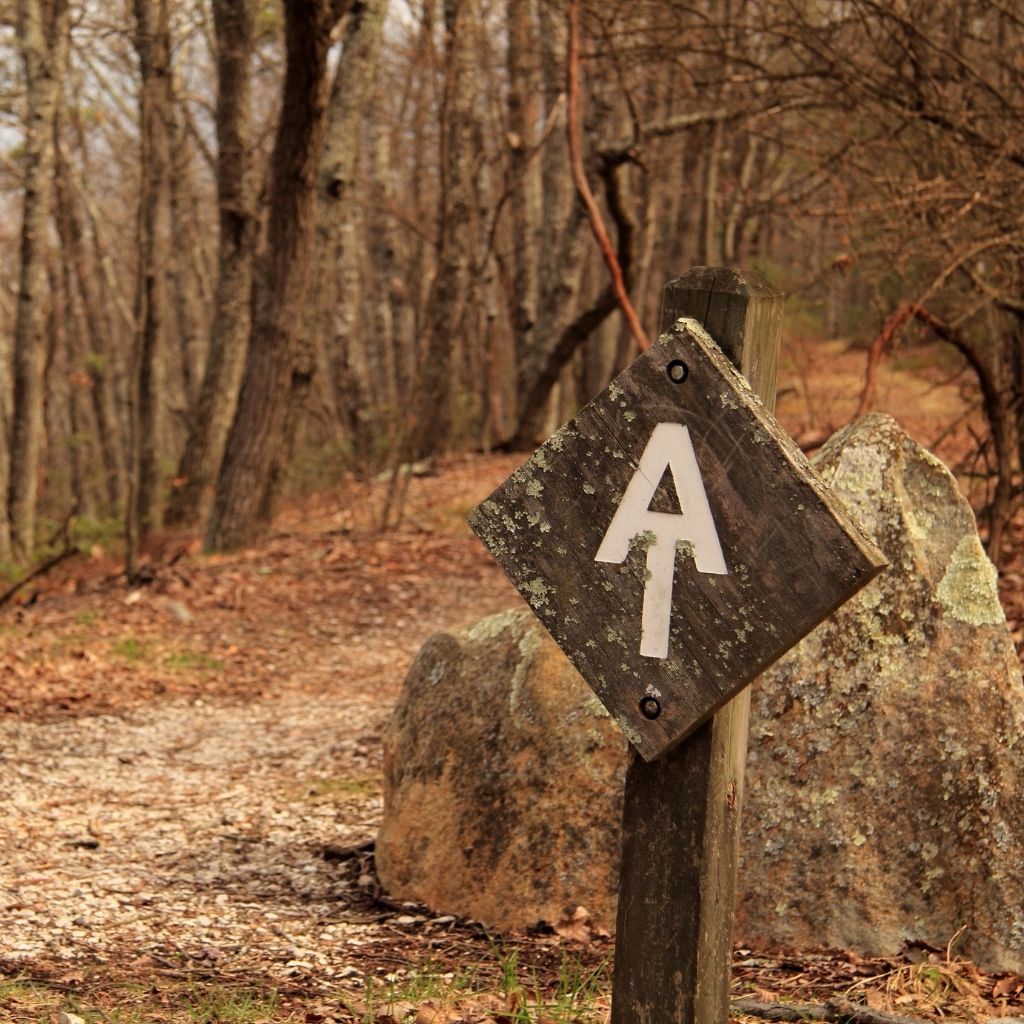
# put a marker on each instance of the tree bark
(583, 189)
(432, 426)
(62, 475)
(147, 404)
(97, 355)
(549, 365)
(525, 173)
(352, 84)
(44, 32)
(234, 24)
(186, 268)
(240, 514)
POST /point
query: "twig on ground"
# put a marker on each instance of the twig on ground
(39, 570)
(835, 1011)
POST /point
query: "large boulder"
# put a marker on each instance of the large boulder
(885, 781)
(503, 779)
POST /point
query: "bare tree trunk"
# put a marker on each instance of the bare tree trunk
(525, 173)
(186, 270)
(350, 89)
(62, 476)
(68, 339)
(234, 22)
(96, 355)
(710, 250)
(548, 365)
(44, 31)
(147, 405)
(446, 302)
(112, 325)
(1014, 353)
(5, 473)
(240, 511)
(382, 245)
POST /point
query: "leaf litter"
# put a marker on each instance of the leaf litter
(191, 773)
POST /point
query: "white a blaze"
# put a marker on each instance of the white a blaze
(669, 448)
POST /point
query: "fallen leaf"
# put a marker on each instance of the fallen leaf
(1008, 986)
(876, 1000)
(428, 1013)
(576, 928)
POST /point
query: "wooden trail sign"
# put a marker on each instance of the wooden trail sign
(673, 539)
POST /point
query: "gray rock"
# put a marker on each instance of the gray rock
(503, 781)
(885, 782)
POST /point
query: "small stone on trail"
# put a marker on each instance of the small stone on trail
(180, 612)
(69, 1018)
(85, 843)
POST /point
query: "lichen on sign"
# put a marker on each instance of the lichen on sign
(691, 602)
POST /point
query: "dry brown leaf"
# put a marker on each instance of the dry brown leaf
(428, 1013)
(1008, 986)
(876, 1000)
(576, 928)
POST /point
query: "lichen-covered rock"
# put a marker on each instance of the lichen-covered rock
(503, 780)
(885, 783)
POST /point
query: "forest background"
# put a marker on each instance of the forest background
(250, 248)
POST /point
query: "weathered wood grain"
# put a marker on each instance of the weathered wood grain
(791, 552)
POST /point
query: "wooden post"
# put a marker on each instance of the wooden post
(669, 614)
(682, 813)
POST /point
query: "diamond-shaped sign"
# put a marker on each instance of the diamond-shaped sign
(673, 539)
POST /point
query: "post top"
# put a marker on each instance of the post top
(726, 279)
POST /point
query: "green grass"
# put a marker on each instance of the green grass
(218, 1004)
(132, 648)
(29, 1002)
(340, 790)
(500, 988)
(21, 1000)
(193, 661)
(97, 531)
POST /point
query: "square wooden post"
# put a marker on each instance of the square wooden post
(681, 819)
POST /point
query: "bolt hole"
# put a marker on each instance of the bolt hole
(650, 708)
(677, 371)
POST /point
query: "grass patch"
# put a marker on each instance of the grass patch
(22, 1000)
(106, 532)
(321, 790)
(31, 1002)
(131, 648)
(193, 661)
(223, 1005)
(501, 989)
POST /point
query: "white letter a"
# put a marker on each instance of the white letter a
(669, 448)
